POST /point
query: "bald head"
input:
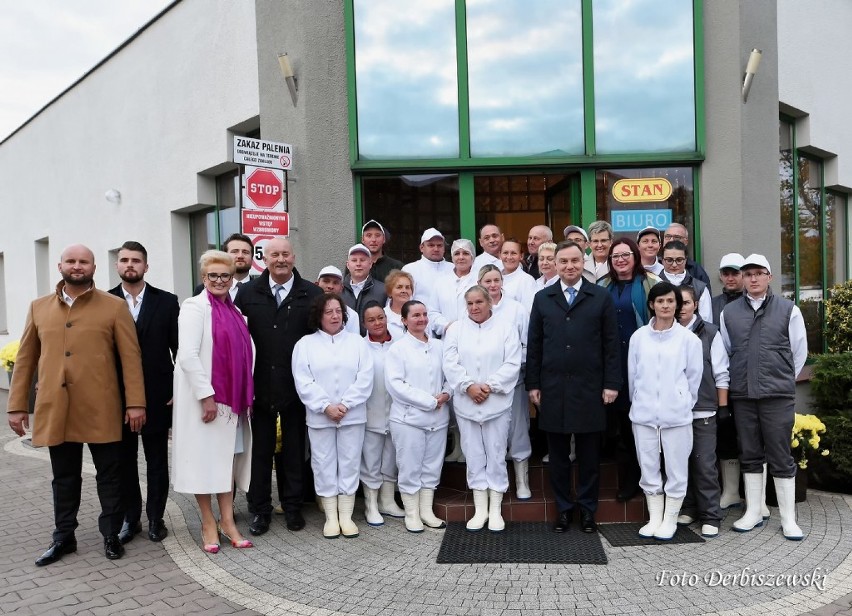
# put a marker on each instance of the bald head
(280, 259)
(537, 236)
(676, 232)
(77, 267)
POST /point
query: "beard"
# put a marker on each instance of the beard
(243, 269)
(78, 281)
(131, 277)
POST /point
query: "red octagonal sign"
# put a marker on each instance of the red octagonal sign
(263, 188)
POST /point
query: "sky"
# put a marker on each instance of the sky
(46, 45)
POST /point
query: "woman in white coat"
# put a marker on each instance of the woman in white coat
(378, 457)
(213, 394)
(333, 372)
(517, 284)
(414, 377)
(665, 362)
(517, 317)
(546, 266)
(399, 287)
(482, 360)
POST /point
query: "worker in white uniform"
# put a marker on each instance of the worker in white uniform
(517, 284)
(431, 266)
(330, 280)
(399, 287)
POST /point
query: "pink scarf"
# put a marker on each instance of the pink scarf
(233, 385)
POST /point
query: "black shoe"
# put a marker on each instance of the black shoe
(57, 550)
(627, 493)
(157, 530)
(113, 548)
(563, 523)
(587, 521)
(294, 519)
(128, 531)
(260, 523)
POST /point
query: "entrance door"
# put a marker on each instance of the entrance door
(515, 203)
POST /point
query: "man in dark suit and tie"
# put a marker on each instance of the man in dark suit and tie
(572, 372)
(156, 315)
(239, 246)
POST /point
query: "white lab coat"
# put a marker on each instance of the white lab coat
(426, 275)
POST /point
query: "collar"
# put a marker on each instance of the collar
(565, 286)
(127, 295)
(286, 286)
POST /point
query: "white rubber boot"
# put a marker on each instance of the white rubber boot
(480, 515)
(785, 488)
(371, 506)
(764, 510)
(668, 527)
(656, 503)
(456, 453)
(319, 503)
(754, 489)
(522, 479)
(708, 530)
(495, 511)
(427, 515)
(331, 529)
(345, 507)
(413, 523)
(730, 484)
(387, 502)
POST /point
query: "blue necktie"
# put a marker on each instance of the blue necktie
(278, 297)
(572, 293)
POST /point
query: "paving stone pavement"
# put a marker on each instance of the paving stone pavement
(389, 572)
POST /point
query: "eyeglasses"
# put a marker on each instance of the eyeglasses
(754, 274)
(622, 256)
(673, 260)
(678, 238)
(213, 277)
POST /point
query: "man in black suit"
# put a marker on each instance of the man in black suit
(573, 371)
(156, 315)
(276, 304)
(239, 246)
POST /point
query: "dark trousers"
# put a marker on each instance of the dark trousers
(621, 441)
(765, 427)
(703, 491)
(727, 447)
(291, 460)
(156, 448)
(587, 447)
(66, 461)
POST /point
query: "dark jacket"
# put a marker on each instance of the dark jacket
(719, 302)
(572, 356)
(383, 266)
(530, 265)
(696, 271)
(157, 332)
(762, 363)
(373, 290)
(708, 395)
(275, 330)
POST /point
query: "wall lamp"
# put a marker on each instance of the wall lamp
(289, 76)
(751, 71)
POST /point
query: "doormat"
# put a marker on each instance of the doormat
(627, 534)
(521, 542)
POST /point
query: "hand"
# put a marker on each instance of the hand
(609, 396)
(169, 403)
(535, 396)
(723, 415)
(208, 409)
(135, 417)
(335, 412)
(19, 421)
(442, 399)
(478, 393)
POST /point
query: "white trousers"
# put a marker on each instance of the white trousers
(378, 459)
(419, 456)
(520, 447)
(484, 447)
(676, 445)
(335, 458)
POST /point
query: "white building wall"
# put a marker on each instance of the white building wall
(814, 83)
(145, 123)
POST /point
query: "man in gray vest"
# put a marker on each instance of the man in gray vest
(765, 337)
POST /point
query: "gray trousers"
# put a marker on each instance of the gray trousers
(765, 427)
(703, 492)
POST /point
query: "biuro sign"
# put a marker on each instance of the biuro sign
(647, 189)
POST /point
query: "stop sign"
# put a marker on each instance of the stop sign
(263, 188)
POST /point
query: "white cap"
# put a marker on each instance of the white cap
(732, 260)
(463, 244)
(429, 234)
(330, 270)
(646, 231)
(572, 228)
(373, 223)
(756, 260)
(360, 248)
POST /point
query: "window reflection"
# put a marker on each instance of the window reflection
(525, 77)
(788, 224)
(810, 250)
(644, 76)
(405, 67)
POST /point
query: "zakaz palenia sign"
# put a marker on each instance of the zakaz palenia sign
(260, 153)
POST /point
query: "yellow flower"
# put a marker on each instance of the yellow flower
(803, 463)
(825, 452)
(8, 354)
(795, 443)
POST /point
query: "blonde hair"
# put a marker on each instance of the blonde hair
(216, 257)
(486, 269)
(477, 288)
(393, 276)
(551, 246)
